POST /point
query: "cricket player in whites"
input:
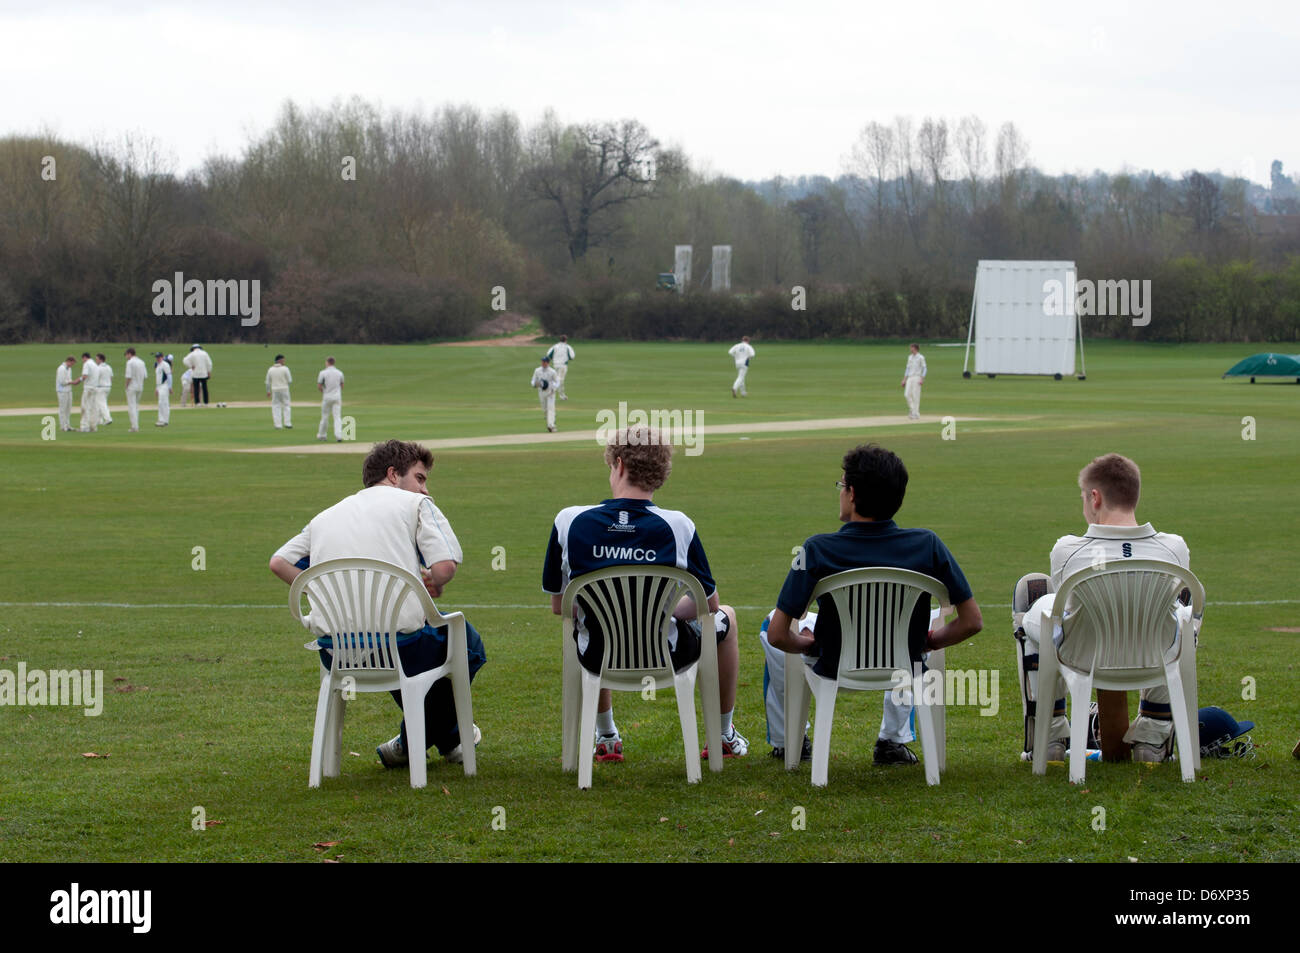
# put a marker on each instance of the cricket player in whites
(63, 388)
(102, 388)
(278, 380)
(330, 384)
(547, 383)
(561, 354)
(741, 353)
(1109, 487)
(136, 373)
(88, 380)
(913, 378)
(162, 376)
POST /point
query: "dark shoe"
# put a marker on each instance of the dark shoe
(805, 751)
(892, 752)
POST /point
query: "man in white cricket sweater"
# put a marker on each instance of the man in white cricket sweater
(278, 380)
(913, 378)
(547, 383)
(741, 353)
(330, 384)
(63, 389)
(136, 374)
(88, 380)
(102, 387)
(561, 354)
(162, 374)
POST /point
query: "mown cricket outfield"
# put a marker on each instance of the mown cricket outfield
(144, 556)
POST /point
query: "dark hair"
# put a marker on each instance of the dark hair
(101, 357)
(131, 351)
(879, 481)
(646, 454)
(70, 358)
(279, 357)
(1118, 478)
(397, 454)
(329, 360)
(85, 354)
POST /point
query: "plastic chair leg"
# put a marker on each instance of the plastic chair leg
(797, 698)
(570, 704)
(1080, 693)
(464, 702)
(587, 727)
(413, 712)
(1182, 728)
(684, 686)
(939, 714)
(318, 733)
(825, 689)
(711, 699)
(1048, 671)
(332, 762)
(925, 719)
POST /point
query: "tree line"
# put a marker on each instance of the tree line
(385, 226)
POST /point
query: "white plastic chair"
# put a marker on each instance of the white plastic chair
(1124, 631)
(357, 602)
(633, 606)
(875, 607)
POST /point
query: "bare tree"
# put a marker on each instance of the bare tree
(1011, 155)
(905, 167)
(932, 140)
(972, 146)
(587, 172)
(873, 154)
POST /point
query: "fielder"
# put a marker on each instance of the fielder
(560, 355)
(102, 387)
(278, 380)
(162, 376)
(741, 353)
(135, 377)
(63, 389)
(547, 383)
(913, 378)
(330, 383)
(1109, 487)
(88, 380)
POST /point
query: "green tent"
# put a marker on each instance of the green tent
(1267, 365)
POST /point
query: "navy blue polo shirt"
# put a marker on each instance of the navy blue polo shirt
(858, 545)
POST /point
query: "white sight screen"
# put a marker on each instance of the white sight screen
(1017, 329)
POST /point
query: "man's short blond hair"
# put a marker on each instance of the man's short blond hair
(1116, 477)
(648, 458)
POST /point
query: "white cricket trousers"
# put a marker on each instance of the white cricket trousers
(89, 410)
(547, 397)
(133, 406)
(330, 406)
(912, 391)
(739, 385)
(562, 371)
(281, 411)
(65, 409)
(164, 404)
(101, 398)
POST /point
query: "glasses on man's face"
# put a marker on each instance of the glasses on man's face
(840, 484)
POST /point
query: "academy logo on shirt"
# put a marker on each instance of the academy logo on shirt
(622, 526)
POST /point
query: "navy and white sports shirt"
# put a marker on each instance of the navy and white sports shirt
(622, 533)
(619, 532)
(858, 545)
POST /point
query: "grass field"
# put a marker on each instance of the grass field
(210, 698)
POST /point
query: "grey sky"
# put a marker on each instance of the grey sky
(749, 89)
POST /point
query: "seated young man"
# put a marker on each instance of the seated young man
(895, 721)
(1109, 487)
(871, 492)
(629, 529)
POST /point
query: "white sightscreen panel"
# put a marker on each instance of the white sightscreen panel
(1015, 331)
(682, 264)
(721, 267)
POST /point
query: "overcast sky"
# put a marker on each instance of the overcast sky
(748, 89)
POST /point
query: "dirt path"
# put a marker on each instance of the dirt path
(589, 435)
